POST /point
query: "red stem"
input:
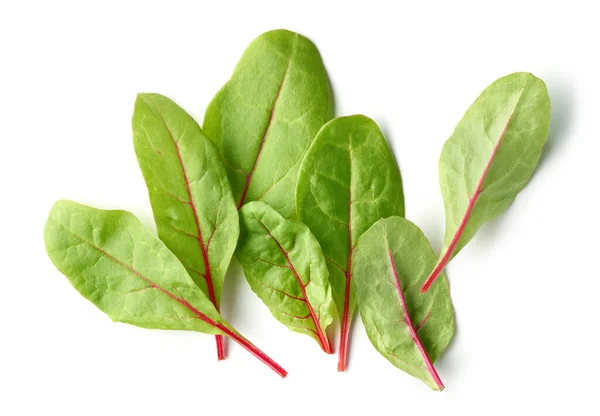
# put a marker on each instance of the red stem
(345, 331)
(233, 335)
(461, 228)
(220, 347)
(446, 258)
(253, 349)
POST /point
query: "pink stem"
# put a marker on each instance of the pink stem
(252, 349)
(220, 347)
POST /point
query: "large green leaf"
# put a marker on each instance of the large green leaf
(129, 274)
(411, 330)
(284, 266)
(490, 157)
(191, 198)
(348, 181)
(265, 117)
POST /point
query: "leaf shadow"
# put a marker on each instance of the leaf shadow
(383, 126)
(333, 106)
(232, 286)
(385, 130)
(561, 94)
(147, 220)
(446, 363)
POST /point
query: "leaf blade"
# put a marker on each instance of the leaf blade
(115, 263)
(284, 266)
(490, 157)
(265, 117)
(191, 198)
(392, 259)
(71, 225)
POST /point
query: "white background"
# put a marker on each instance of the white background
(525, 289)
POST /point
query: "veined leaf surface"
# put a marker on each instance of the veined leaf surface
(411, 330)
(284, 266)
(490, 157)
(348, 181)
(129, 274)
(191, 198)
(265, 117)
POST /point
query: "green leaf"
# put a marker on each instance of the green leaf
(265, 117)
(191, 198)
(411, 330)
(348, 181)
(129, 274)
(490, 157)
(284, 266)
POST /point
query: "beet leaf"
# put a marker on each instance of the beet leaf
(411, 330)
(490, 157)
(266, 116)
(191, 198)
(284, 266)
(130, 275)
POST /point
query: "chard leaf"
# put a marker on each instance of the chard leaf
(191, 198)
(411, 330)
(490, 157)
(265, 117)
(130, 275)
(284, 266)
(348, 181)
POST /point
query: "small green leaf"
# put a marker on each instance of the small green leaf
(129, 274)
(284, 266)
(490, 157)
(411, 330)
(348, 181)
(265, 117)
(191, 198)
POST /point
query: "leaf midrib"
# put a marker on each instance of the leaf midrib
(322, 337)
(250, 175)
(408, 321)
(203, 248)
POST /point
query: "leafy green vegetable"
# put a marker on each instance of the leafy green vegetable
(265, 117)
(348, 180)
(490, 157)
(411, 330)
(191, 198)
(129, 274)
(284, 266)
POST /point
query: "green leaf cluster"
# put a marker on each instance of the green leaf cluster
(312, 207)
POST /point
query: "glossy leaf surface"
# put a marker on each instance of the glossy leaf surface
(265, 117)
(191, 198)
(490, 157)
(129, 274)
(348, 181)
(284, 266)
(411, 330)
